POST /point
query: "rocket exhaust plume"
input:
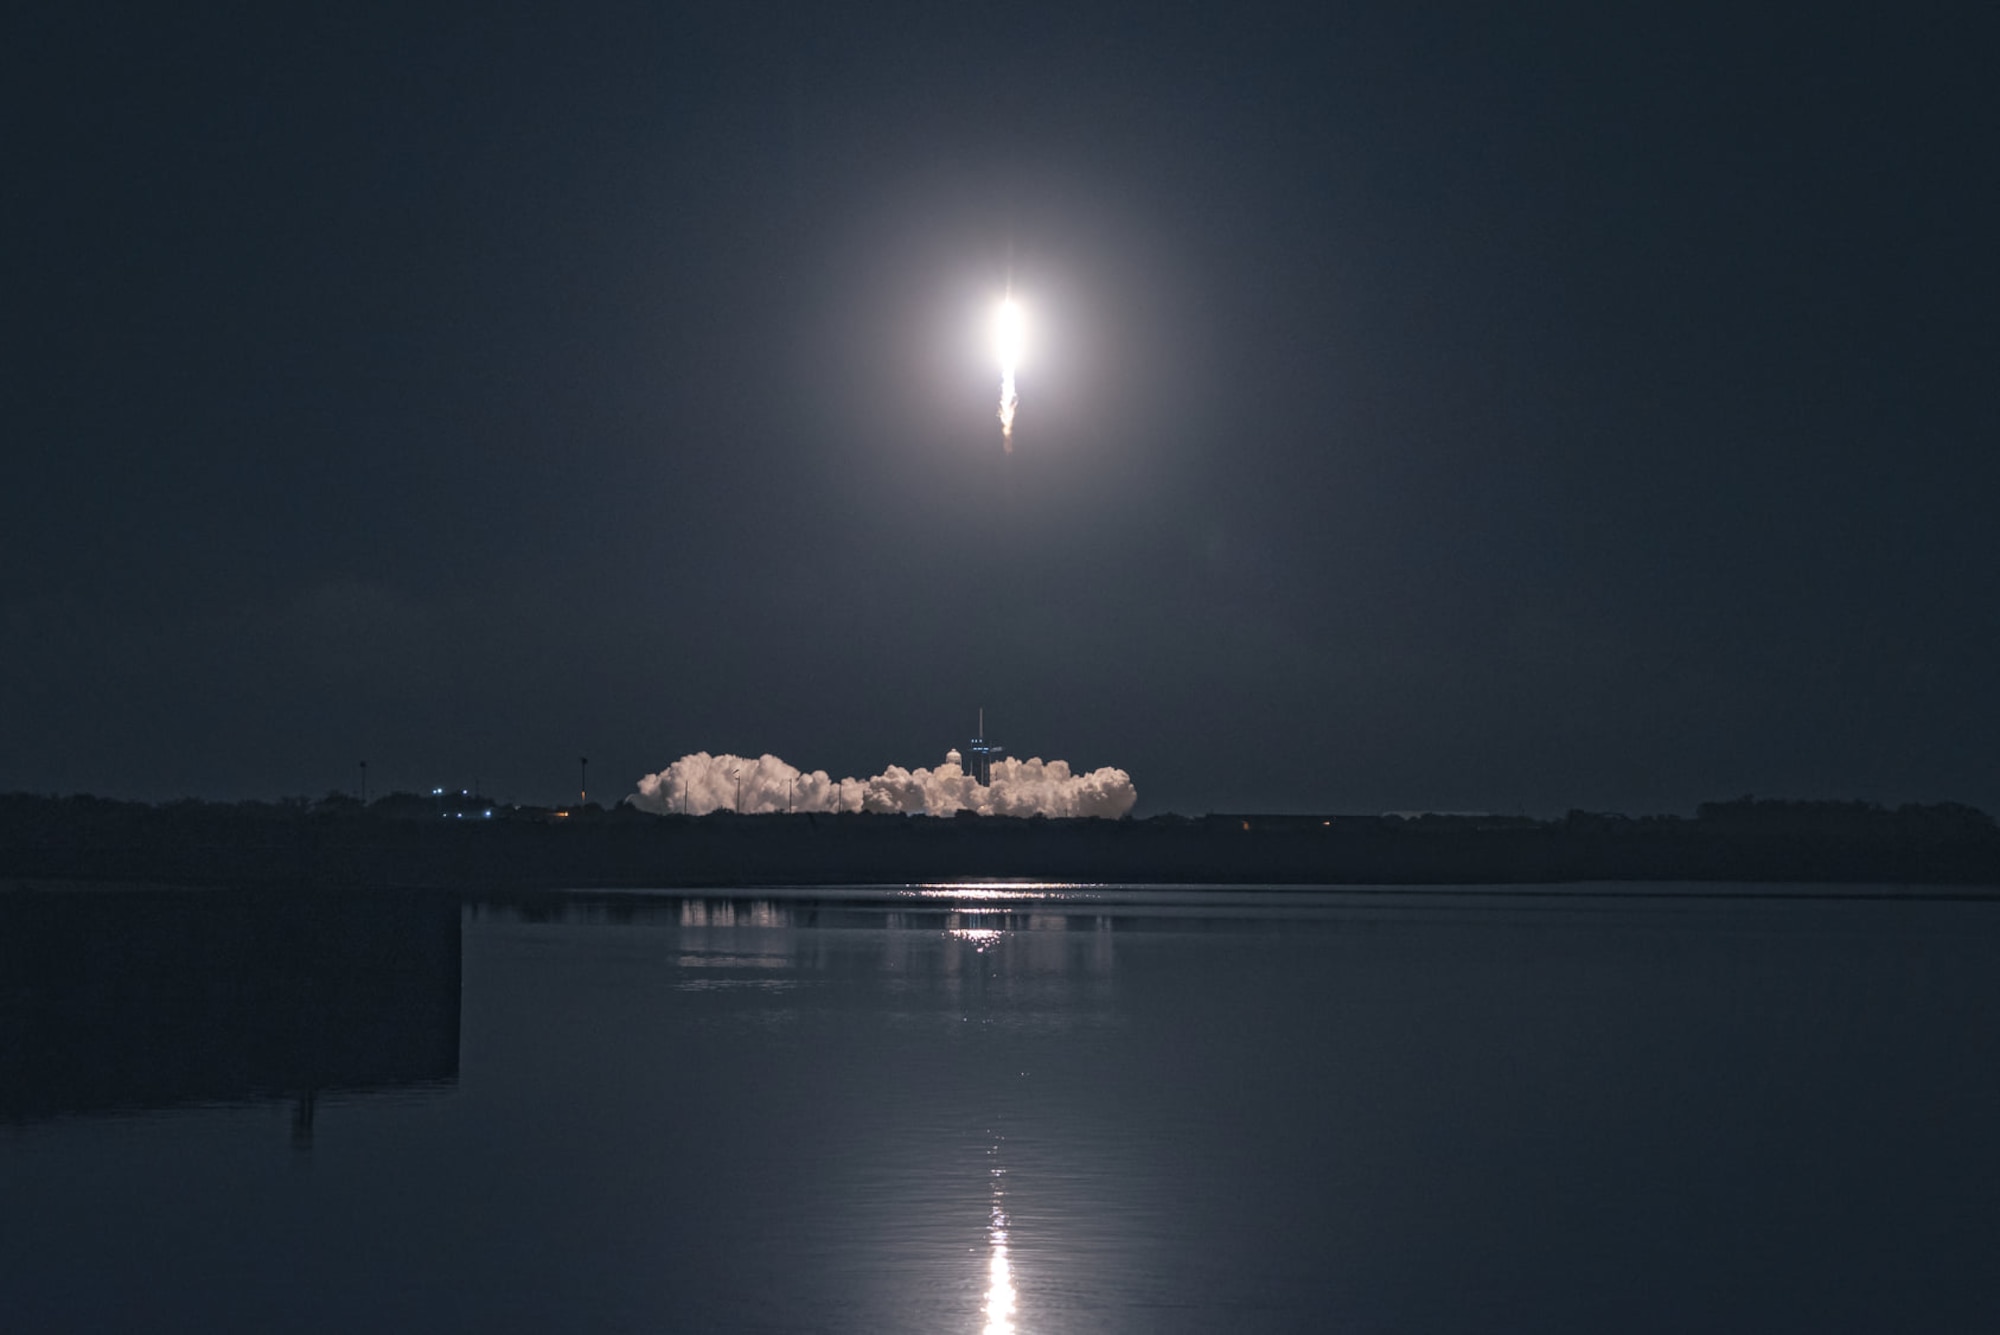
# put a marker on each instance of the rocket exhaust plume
(701, 783)
(1008, 399)
(1007, 344)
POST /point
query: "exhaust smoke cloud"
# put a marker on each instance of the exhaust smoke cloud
(698, 784)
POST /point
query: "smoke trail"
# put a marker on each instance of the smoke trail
(1007, 344)
(700, 783)
(1008, 399)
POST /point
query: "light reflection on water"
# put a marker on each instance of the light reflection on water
(734, 913)
(1085, 1109)
(999, 1272)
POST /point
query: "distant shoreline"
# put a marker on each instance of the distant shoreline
(415, 843)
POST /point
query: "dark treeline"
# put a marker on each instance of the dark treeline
(462, 841)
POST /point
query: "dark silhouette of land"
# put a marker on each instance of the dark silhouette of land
(452, 842)
(117, 1001)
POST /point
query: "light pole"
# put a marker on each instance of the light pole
(737, 775)
(582, 780)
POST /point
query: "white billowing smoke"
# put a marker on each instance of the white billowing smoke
(701, 783)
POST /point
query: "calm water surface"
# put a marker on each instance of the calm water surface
(994, 1109)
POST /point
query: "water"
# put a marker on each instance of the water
(1001, 1110)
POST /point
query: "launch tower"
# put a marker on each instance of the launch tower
(980, 754)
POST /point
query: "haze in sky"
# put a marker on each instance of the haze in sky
(1461, 408)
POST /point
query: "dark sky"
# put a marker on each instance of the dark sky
(1467, 410)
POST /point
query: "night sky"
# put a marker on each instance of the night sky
(1482, 410)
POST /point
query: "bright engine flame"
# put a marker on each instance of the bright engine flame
(1007, 345)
